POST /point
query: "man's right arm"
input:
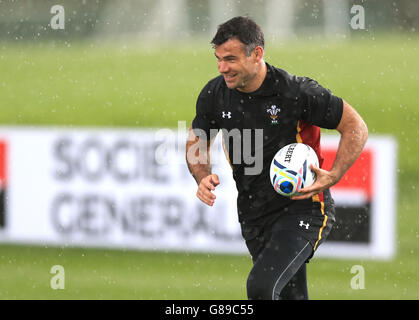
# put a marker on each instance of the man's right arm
(198, 159)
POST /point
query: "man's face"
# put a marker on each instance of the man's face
(237, 68)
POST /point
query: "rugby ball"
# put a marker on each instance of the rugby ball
(290, 169)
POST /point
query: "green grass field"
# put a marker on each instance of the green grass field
(155, 86)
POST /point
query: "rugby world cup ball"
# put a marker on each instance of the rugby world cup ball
(290, 169)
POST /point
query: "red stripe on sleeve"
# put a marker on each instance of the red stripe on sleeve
(310, 135)
(3, 164)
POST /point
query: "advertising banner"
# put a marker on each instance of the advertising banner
(128, 188)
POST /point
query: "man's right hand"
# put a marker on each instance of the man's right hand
(205, 188)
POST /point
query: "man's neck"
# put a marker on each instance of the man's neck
(257, 80)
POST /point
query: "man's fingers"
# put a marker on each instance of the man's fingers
(205, 200)
(207, 184)
(206, 193)
(215, 180)
(205, 188)
(206, 196)
(306, 193)
(314, 168)
(303, 196)
(306, 190)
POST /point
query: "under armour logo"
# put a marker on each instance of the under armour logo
(304, 225)
(228, 114)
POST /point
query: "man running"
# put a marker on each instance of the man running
(281, 233)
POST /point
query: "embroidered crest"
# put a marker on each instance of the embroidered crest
(273, 113)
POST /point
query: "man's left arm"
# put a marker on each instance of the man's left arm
(354, 134)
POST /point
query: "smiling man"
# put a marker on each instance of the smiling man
(281, 233)
(233, 64)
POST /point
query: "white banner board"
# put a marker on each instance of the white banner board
(126, 188)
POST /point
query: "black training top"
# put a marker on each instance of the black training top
(288, 109)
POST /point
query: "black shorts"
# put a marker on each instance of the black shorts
(280, 246)
(313, 224)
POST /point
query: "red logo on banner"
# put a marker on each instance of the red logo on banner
(3, 164)
(3, 181)
(358, 177)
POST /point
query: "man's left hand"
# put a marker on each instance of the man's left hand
(324, 180)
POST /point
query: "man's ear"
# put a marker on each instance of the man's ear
(258, 53)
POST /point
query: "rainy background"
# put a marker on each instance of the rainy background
(141, 64)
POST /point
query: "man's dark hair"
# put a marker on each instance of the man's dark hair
(242, 28)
